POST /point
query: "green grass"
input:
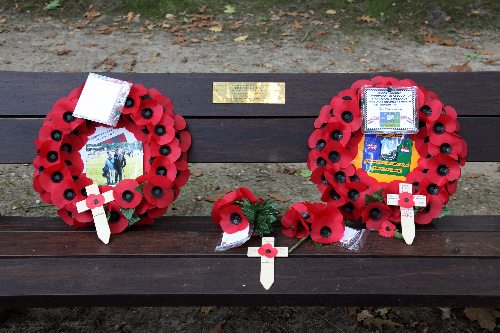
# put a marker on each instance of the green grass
(93, 168)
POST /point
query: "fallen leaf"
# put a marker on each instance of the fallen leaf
(202, 9)
(241, 38)
(279, 197)
(352, 310)
(64, 52)
(195, 40)
(130, 16)
(108, 62)
(380, 323)
(395, 31)
(218, 195)
(217, 328)
(104, 30)
(215, 28)
(381, 312)
(493, 60)
(207, 309)
(445, 313)
(485, 317)
(466, 46)
(228, 9)
(431, 39)
(460, 68)
(331, 12)
(235, 25)
(484, 52)
(197, 173)
(472, 175)
(129, 66)
(297, 25)
(363, 315)
(348, 49)
(306, 173)
(366, 18)
(91, 14)
(179, 41)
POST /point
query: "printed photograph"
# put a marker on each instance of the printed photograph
(111, 155)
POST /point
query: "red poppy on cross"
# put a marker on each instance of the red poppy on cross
(267, 252)
(406, 201)
(95, 202)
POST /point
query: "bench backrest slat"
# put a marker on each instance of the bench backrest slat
(246, 132)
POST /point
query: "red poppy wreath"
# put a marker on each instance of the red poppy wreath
(430, 160)
(148, 117)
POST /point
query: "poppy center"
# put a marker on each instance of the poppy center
(69, 194)
(321, 162)
(337, 135)
(320, 144)
(348, 207)
(439, 128)
(161, 171)
(347, 98)
(145, 130)
(375, 213)
(268, 251)
(334, 157)
(347, 116)
(129, 102)
(165, 150)
(52, 156)
(433, 189)
(68, 117)
(325, 232)
(324, 180)
(56, 177)
(334, 195)
(83, 191)
(445, 148)
(443, 170)
(421, 124)
(114, 216)
(56, 135)
(353, 194)
(426, 110)
(305, 215)
(128, 196)
(340, 177)
(387, 228)
(160, 130)
(157, 192)
(96, 201)
(68, 163)
(235, 218)
(147, 113)
(67, 148)
(406, 200)
(354, 178)
(144, 97)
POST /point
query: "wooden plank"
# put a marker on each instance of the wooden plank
(235, 140)
(234, 281)
(28, 94)
(197, 237)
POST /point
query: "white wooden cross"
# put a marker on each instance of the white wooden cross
(95, 202)
(267, 252)
(405, 200)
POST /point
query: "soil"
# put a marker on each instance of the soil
(48, 44)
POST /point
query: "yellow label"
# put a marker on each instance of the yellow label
(248, 92)
(386, 157)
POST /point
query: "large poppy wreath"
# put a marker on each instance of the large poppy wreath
(149, 115)
(335, 143)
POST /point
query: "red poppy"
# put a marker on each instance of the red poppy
(81, 183)
(72, 144)
(415, 177)
(232, 219)
(268, 251)
(141, 132)
(316, 139)
(163, 131)
(445, 123)
(442, 169)
(374, 214)
(406, 200)
(75, 93)
(237, 195)
(328, 227)
(387, 230)
(145, 220)
(155, 213)
(94, 201)
(431, 211)
(362, 176)
(318, 177)
(133, 101)
(431, 189)
(182, 177)
(355, 139)
(294, 221)
(355, 192)
(332, 195)
(335, 156)
(431, 111)
(49, 153)
(163, 100)
(184, 141)
(162, 166)
(117, 221)
(390, 188)
(150, 112)
(179, 122)
(350, 211)
(348, 112)
(451, 187)
(48, 132)
(73, 162)
(157, 191)
(70, 215)
(171, 151)
(64, 193)
(182, 163)
(324, 115)
(53, 176)
(61, 116)
(339, 176)
(85, 129)
(463, 154)
(447, 144)
(126, 195)
(337, 131)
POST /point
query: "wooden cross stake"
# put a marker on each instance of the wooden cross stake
(267, 252)
(95, 202)
(406, 201)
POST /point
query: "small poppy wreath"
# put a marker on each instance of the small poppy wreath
(334, 145)
(59, 177)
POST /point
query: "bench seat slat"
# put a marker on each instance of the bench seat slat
(246, 140)
(300, 281)
(185, 237)
(28, 94)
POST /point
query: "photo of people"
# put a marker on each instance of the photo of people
(112, 155)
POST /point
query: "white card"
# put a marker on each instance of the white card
(236, 239)
(390, 110)
(102, 99)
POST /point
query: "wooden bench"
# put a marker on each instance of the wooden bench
(44, 262)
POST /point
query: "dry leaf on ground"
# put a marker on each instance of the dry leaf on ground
(217, 328)
(460, 68)
(241, 38)
(366, 18)
(331, 12)
(485, 317)
(64, 52)
(431, 39)
(91, 14)
(207, 309)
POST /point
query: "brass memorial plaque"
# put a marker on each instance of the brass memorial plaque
(248, 93)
